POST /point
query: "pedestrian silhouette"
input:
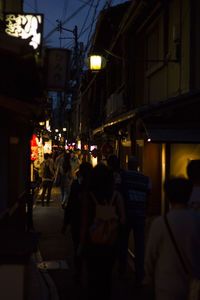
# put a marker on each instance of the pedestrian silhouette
(164, 270)
(100, 258)
(135, 188)
(47, 174)
(72, 212)
(65, 171)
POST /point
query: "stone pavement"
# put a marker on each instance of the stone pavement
(52, 276)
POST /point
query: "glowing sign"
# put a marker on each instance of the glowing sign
(25, 27)
(34, 147)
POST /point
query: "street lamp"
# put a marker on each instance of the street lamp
(96, 62)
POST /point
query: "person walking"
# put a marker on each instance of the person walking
(164, 272)
(65, 170)
(46, 172)
(100, 257)
(75, 163)
(135, 188)
(72, 212)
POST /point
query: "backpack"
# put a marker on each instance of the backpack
(104, 230)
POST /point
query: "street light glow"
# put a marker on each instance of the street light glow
(95, 62)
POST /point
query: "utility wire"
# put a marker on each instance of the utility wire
(86, 2)
(69, 45)
(66, 2)
(86, 18)
(106, 4)
(92, 23)
(67, 20)
(36, 11)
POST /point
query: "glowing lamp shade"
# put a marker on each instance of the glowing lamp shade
(96, 62)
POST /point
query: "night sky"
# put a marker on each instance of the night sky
(71, 13)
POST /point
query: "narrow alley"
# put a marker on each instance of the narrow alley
(54, 259)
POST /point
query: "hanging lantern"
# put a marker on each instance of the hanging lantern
(95, 62)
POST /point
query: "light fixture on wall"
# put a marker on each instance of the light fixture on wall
(95, 62)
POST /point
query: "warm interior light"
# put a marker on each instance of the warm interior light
(95, 62)
(64, 129)
(79, 144)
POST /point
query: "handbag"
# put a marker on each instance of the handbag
(194, 283)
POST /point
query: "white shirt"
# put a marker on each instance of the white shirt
(195, 197)
(162, 266)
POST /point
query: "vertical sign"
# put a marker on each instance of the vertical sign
(58, 68)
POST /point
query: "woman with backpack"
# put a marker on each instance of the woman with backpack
(102, 212)
(65, 172)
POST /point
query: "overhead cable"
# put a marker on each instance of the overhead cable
(86, 18)
(67, 20)
(66, 2)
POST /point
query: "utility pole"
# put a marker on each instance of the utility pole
(60, 28)
(76, 54)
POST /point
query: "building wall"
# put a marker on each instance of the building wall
(15, 169)
(152, 168)
(167, 38)
(181, 154)
(195, 45)
(11, 5)
(185, 45)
